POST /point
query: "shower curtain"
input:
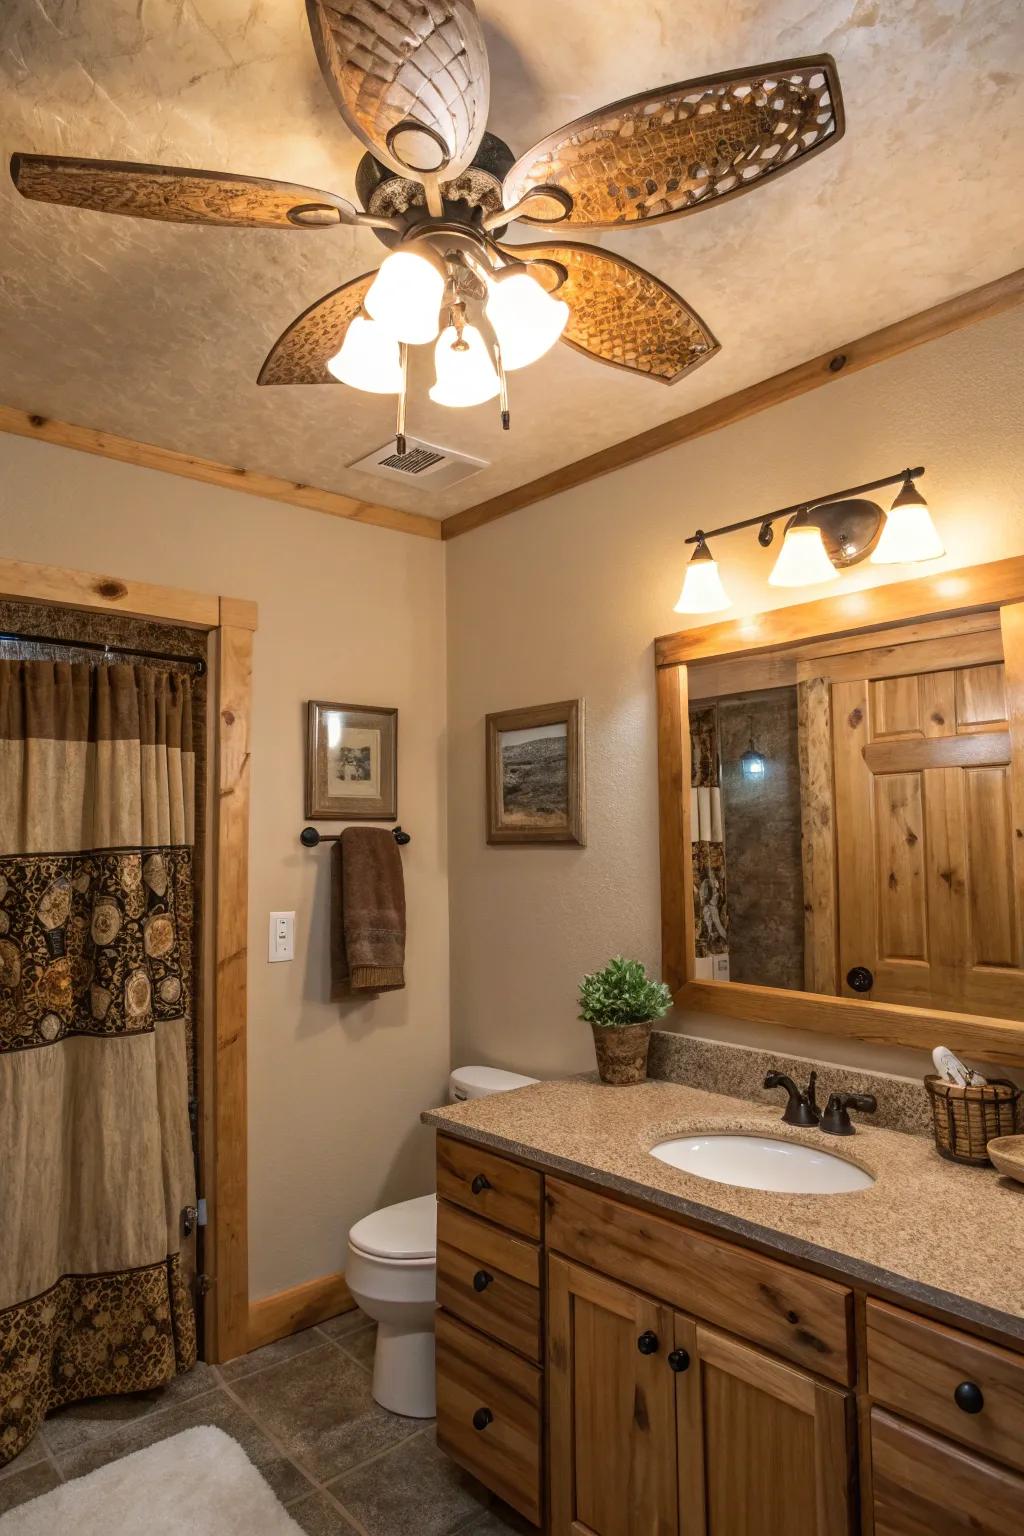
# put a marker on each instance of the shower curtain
(97, 811)
(710, 909)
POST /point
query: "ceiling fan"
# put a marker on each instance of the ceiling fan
(411, 80)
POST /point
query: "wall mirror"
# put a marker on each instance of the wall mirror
(842, 814)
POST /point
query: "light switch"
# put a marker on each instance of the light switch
(282, 936)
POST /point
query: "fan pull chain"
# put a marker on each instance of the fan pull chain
(403, 352)
(506, 419)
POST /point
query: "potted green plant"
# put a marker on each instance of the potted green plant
(620, 1003)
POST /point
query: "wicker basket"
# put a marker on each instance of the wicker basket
(965, 1120)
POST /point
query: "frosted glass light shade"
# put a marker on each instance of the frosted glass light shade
(527, 321)
(369, 359)
(463, 377)
(405, 297)
(803, 559)
(908, 533)
(703, 591)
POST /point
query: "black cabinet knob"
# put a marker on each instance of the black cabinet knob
(482, 1418)
(860, 979)
(679, 1360)
(647, 1343)
(480, 1183)
(969, 1397)
(481, 1280)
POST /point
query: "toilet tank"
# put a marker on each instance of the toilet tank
(477, 1082)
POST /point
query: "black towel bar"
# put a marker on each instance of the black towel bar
(309, 837)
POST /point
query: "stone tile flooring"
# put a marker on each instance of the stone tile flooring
(302, 1411)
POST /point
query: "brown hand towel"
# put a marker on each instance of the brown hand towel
(367, 913)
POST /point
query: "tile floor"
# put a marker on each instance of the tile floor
(302, 1411)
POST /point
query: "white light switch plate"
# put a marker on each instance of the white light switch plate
(282, 936)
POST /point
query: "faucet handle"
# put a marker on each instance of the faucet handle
(801, 1108)
(836, 1119)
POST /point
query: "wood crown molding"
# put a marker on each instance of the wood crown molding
(850, 357)
(125, 450)
(944, 593)
(286, 1312)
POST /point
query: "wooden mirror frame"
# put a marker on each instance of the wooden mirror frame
(800, 632)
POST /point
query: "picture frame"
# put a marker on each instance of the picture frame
(536, 775)
(351, 762)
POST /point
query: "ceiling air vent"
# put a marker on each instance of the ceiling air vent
(425, 463)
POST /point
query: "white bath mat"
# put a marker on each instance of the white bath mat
(198, 1483)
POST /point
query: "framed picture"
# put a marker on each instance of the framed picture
(351, 762)
(536, 785)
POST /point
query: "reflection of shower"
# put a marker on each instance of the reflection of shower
(752, 763)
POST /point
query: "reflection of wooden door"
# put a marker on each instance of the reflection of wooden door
(927, 898)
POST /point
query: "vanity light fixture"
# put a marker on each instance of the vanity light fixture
(702, 585)
(908, 534)
(823, 535)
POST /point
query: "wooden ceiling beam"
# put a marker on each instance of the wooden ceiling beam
(951, 315)
(148, 456)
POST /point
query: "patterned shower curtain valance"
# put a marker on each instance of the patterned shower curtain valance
(97, 797)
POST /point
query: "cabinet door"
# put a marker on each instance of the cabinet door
(926, 1486)
(764, 1449)
(611, 1408)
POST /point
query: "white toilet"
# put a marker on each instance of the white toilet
(392, 1274)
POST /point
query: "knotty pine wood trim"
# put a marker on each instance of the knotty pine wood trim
(88, 590)
(965, 590)
(126, 450)
(302, 1306)
(850, 357)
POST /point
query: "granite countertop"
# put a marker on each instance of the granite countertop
(937, 1232)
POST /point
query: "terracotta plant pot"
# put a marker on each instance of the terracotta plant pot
(622, 1052)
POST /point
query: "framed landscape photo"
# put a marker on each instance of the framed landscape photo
(536, 784)
(351, 762)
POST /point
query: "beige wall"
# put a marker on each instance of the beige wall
(348, 613)
(564, 599)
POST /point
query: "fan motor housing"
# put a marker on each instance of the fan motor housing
(474, 192)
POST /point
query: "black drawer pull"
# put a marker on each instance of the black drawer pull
(482, 1418)
(481, 1280)
(679, 1360)
(969, 1397)
(480, 1183)
(647, 1343)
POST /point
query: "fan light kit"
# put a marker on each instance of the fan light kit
(412, 82)
(821, 536)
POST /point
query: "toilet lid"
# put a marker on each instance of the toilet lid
(404, 1231)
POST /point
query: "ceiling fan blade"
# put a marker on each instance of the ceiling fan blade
(671, 151)
(176, 194)
(405, 74)
(621, 315)
(301, 353)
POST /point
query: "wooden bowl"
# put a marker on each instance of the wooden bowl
(1007, 1152)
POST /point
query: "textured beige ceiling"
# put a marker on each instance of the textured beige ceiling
(158, 331)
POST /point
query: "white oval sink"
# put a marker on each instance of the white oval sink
(759, 1162)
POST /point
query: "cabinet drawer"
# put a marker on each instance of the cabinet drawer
(916, 1366)
(796, 1315)
(924, 1486)
(489, 1185)
(489, 1414)
(489, 1279)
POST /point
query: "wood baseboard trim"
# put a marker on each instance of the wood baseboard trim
(286, 1312)
(849, 357)
(107, 445)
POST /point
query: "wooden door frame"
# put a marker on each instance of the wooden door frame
(231, 621)
(772, 645)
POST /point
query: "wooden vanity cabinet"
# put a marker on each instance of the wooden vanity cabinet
(658, 1424)
(611, 1371)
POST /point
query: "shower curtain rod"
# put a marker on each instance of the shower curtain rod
(107, 648)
